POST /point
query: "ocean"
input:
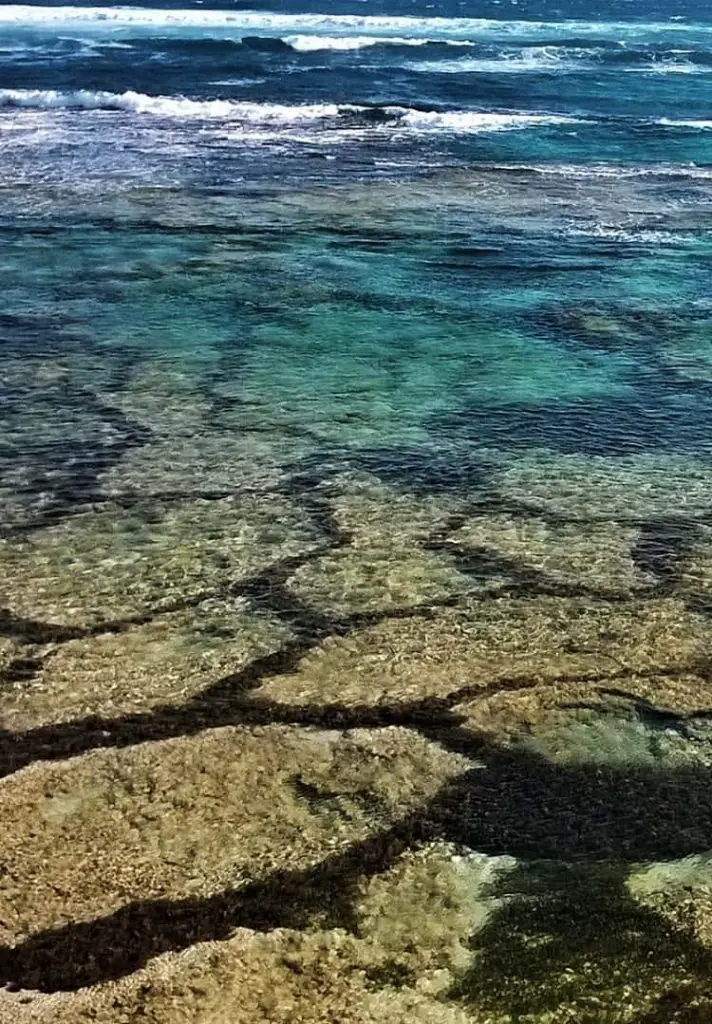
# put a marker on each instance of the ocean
(356, 534)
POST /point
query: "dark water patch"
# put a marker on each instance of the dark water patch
(421, 471)
(353, 235)
(661, 547)
(57, 452)
(266, 44)
(379, 303)
(615, 426)
(36, 336)
(525, 267)
(616, 328)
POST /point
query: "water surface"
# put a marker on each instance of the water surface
(356, 392)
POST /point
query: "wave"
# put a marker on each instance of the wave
(634, 236)
(546, 59)
(479, 121)
(530, 59)
(164, 106)
(151, 20)
(331, 114)
(673, 67)
(667, 122)
(312, 43)
(661, 172)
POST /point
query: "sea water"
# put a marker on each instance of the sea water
(356, 535)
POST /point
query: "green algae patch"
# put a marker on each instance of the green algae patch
(578, 948)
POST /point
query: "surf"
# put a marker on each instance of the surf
(148, 21)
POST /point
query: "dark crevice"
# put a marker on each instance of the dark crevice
(21, 669)
(222, 703)
(227, 702)
(516, 579)
(662, 546)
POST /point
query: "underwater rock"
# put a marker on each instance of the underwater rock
(427, 907)
(202, 463)
(122, 561)
(362, 579)
(162, 663)
(194, 818)
(689, 352)
(631, 489)
(497, 642)
(626, 718)
(579, 555)
(254, 979)
(373, 514)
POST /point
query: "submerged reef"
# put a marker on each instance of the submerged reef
(343, 676)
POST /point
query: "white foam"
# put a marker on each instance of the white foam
(670, 123)
(479, 121)
(261, 113)
(593, 171)
(164, 106)
(312, 43)
(531, 59)
(633, 236)
(672, 67)
(110, 19)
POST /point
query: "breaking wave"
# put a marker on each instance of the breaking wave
(164, 106)
(347, 115)
(224, 22)
(313, 43)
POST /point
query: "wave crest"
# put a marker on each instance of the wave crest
(163, 106)
(345, 115)
(108, 20)
(314, 43)
(479, 121)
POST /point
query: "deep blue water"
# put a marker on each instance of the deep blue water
(619, 84)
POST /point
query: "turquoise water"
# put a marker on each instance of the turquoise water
(319, 334)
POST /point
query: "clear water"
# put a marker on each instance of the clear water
(356, 393)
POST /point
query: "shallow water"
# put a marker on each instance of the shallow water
(356, 392)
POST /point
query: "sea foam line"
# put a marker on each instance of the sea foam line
(312, 43)
(529, 59)
(110, 19)
(667, 122)
(479, 121)
(163, 106)
(389, 117)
